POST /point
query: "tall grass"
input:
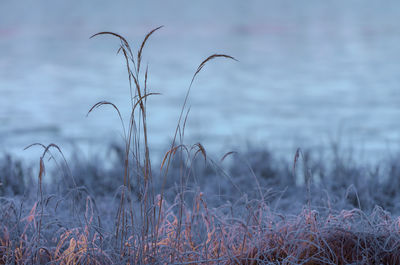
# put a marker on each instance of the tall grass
(146, 220)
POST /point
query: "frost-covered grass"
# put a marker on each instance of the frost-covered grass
(192, 208)
(223, 216)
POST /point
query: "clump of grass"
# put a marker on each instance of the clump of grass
(151, 227)
(204, 235)
(15, 177)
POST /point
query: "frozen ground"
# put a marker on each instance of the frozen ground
(250, 207)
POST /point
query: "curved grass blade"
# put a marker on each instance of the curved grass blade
(202, 64)
(101, 103)
(139, 101)
(123, 40)
(201, 150)
(139, 57)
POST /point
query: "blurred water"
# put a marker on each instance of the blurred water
(309, 72)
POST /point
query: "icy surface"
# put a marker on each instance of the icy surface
(307, 73)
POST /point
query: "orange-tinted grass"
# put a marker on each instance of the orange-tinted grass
(208, 238)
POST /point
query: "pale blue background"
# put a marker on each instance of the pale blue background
(309, 72)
